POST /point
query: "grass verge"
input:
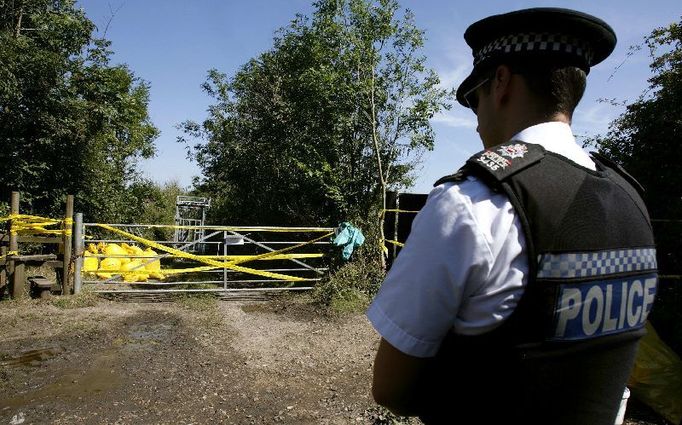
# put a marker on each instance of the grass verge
(85, 298)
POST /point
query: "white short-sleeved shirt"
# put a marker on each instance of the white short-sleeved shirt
(463, 266)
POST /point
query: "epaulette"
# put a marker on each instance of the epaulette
(504, 160)
(457, 177)
(609, 163)
(498, 162)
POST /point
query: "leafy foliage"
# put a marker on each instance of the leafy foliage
(353, 284)
(70, 122)
(155, 204)
(294, 136)
(646, 141)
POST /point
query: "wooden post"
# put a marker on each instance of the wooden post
(3, 271)
(78, 250)
(68, 217)
(19, 280)
(15, 268)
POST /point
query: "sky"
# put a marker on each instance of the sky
(171, 44)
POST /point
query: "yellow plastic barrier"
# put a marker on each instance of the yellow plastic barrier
(132, 250)
(90, 263)
(114, 250)
(107, 267)
(656, 379)
(153, 267)
(134, 271)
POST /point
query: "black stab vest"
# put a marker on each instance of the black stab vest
(565, 353)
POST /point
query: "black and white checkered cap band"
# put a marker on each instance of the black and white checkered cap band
(536, 42)
(594, 264)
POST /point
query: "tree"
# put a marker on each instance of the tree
(155, 204)
(315, 130)
(70, 122)
(645, 140)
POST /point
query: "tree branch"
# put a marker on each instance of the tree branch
(17, 28)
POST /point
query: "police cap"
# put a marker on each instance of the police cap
(548, 36)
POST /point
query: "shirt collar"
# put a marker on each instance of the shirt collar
(556, 137)
(546, 134)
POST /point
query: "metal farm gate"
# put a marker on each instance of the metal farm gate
(147, 258)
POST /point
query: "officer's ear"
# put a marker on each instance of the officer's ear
(501, 84)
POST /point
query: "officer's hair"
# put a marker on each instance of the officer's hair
(557, 89)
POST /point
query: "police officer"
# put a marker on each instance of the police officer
(524, 286)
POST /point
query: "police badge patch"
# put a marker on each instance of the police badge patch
(513, 151)
(493, 160)
(496, 160)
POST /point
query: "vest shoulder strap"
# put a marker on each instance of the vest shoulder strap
(459, 176)
(505, 160)
(605, 161)
(499, 162)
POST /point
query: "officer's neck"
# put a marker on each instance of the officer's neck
(519, 115)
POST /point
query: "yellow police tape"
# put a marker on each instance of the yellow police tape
(273, 229)
(400, 211)
(25, 224)
(400, 244)
(225, 257)
(232, 265)
(168, 272)
(396, 210)
(8, 253)
(238, 257)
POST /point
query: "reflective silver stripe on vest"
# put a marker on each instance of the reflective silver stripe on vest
(596, 263)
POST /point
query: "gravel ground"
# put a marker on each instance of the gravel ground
(193, 361)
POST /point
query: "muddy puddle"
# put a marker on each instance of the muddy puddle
(99, 376)
(32, 358)
(145, 335)
(103, 372)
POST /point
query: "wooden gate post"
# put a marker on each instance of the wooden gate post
(3, 271)
(68, 226)
(16, 269)
(78, 252)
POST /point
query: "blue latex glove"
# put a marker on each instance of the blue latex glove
(349, 237)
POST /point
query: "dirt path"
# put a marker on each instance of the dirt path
(189, 362)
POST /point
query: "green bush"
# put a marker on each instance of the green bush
(353, 285)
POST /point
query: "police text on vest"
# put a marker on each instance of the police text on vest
(605, 307)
